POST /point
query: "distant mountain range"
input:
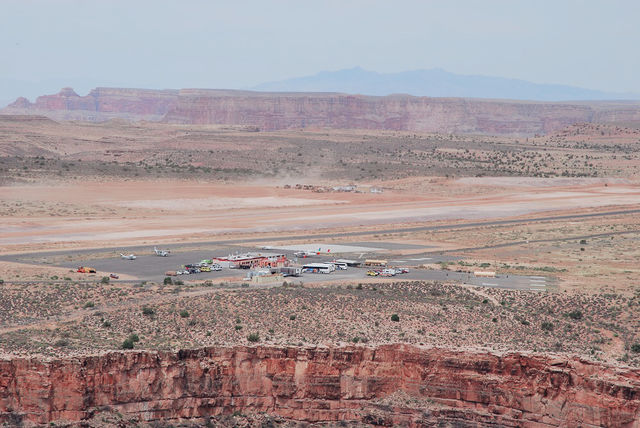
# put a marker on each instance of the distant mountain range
(436, 83)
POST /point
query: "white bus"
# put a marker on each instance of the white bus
(340, 265)
(319, 268)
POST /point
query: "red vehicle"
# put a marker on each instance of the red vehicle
(113, 276)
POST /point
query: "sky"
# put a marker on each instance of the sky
(238, 44)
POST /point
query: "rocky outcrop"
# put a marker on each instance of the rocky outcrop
(384, 386)
(100, 104)
(273, 111)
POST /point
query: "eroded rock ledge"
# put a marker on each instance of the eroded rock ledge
(384, 386)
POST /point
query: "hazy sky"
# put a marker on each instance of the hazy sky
(235, 44)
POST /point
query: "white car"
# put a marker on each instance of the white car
(216, 267)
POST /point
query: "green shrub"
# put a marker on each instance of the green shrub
(104, 280)
(127, 344)
(167, 280)
(292, 317)
(546, 326)
(635, 348)
(134, 337)
(148, 311)
(253, 337)
(575, 315)
(89, 305)
(395, 318)
(184, 313)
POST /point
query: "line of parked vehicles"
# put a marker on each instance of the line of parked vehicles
(387, 272)
(195, 268)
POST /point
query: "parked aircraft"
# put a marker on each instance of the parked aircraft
(304, 254)
(161, 253)
(127, 257)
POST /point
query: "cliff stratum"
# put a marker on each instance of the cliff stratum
(385, 386)
(273, 111)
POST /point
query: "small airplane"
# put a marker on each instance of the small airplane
(304, 253)
(127, 257)
(161, 253)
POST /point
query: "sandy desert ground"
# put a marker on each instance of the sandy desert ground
(562, 207)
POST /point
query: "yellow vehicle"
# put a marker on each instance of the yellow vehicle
(372, 273)
(205, 268)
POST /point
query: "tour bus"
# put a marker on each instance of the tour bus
(340, 265)
(319, 268)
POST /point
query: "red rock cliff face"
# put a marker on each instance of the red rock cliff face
(273, 111)
(320, 384)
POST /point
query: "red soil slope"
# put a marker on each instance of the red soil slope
(315, 385)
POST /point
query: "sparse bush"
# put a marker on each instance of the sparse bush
(89, 305)
(61, 343)
(583, 242)
(238, 327)
(395, 318)
(184, 313)
(106, 323)
(148, 311)
(104, 280)
(178, 282)
(575, 315)
(546, 326)
(253, 337)
(635, 348)
(134, 337)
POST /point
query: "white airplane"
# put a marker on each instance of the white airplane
(129, 257)
(161, 253)
(305, 253)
